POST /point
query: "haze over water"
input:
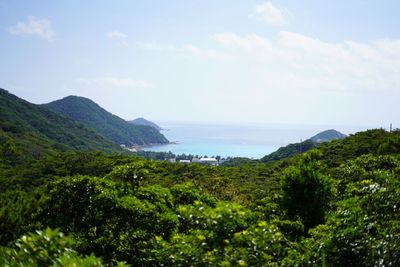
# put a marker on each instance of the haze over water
(247, 140)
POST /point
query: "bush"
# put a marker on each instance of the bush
(306, 192)
(46, 248)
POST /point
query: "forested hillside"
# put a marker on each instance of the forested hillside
(336, 205)
(143, 121)
(34, 131)
(298, 148)
(289, 151)
(111, 126)
(376, 142)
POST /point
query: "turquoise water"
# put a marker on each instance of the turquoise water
(213, 149)
(252, 141)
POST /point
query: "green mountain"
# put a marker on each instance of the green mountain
(36, 131)
(143, 121)
(289, 151)
(327, 136)
(376, 142)
(111, 126)
(298, 148)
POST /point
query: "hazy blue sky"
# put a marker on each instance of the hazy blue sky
(314, 62)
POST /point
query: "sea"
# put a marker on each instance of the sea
(234, 140)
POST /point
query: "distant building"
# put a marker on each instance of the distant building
(172, 160)
(209, 161)
(195, 160)
(184, 161)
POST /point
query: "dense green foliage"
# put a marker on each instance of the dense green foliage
(237, 161)
(305, 183)
(290, 151)
(46, 248)
(298, 148)
(111, 126)
(363, 226)
(155, 155)
(336, 152)
(33, 131)
(336, 205)
(376, 142)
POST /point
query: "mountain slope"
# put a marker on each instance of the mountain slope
(327, 136)
(36, 130)
(376, 141)
(298, 148)
(143, 121)
(111, 126)
(289, 150)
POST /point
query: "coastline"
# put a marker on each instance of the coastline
(143, 147)
(251, 141)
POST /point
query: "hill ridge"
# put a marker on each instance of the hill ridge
(143, 121)
(110, 125)
(301, 147)
(38, 130)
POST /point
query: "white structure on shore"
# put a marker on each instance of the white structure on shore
(209, 161)
(195, 160)
(205, 161)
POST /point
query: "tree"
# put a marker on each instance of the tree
(46, 248)
(306, 191)
(132, 173)
(8, 151)
(363, 227)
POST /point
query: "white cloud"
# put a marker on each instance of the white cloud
(155, 46)
(205, 53)
(115, 82)
(270, 14)
(189, 49)
(251, 43)
(34, 27)
(116, 35)
(295, 62)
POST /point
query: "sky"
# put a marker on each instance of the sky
(228, 61)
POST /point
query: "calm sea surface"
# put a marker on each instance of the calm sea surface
(253, 141)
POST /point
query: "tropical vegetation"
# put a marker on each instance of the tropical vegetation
(337, 204)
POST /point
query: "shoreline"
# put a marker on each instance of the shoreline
(142, 147)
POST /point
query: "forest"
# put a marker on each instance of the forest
(199, 133)
(334, 205)
(110, 126)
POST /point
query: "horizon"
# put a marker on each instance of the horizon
(257, 62)
(271, 134)
(343, 128)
